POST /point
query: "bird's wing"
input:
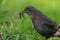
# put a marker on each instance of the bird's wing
(48, 22)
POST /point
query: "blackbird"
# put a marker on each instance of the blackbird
(43, 24)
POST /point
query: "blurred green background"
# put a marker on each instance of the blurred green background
(14, 28)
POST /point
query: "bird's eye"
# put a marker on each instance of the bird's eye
(29, 9)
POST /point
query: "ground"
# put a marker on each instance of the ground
(14, 28)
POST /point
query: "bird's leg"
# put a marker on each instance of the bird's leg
(50, 38)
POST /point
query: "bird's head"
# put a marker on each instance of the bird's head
(29, 10)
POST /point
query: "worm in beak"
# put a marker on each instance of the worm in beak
(21, 14)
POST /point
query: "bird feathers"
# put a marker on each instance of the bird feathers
(43, 25)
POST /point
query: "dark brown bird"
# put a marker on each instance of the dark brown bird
(43, 25)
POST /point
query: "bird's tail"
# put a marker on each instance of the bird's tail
(57, 34)
(58, 26)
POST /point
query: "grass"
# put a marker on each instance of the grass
(14, 28)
